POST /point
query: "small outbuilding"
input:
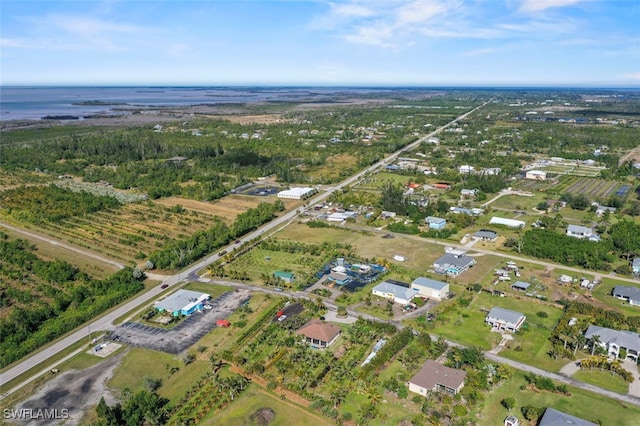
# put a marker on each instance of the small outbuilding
(223, 323)
(287, 277)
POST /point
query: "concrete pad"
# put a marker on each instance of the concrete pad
(106, 349)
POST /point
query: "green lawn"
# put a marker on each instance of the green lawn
(466, 325)
(581, 403)
(138, 364)
(286, 412)
(602, 292)
(259, 261)
(214, 290)
(469, 329)
(603, 379)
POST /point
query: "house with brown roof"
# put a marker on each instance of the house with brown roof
(319, 334)
(434, 376)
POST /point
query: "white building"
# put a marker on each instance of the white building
(430, 288)
(466, 169)
(394, 292)
(581, 232)
(536, 175)
(511, 223)
(297, 193)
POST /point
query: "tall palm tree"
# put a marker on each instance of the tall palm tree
(579, 343)
(595, 341)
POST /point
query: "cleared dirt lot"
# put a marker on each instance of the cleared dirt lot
(227, 208)
(185, 334)
(73, 391)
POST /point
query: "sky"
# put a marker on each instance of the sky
(575, 43)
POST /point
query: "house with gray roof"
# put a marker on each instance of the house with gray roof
(628, 293)
(520, 286)
(395, 292)
(615, 340)
(582, 232)
(554, 417)
(505, 319)
(486, 235)
(453, 264)
(430, 288)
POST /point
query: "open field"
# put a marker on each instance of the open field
(581, 403)
(466, 325)
(602, 292)
(336, 167)
(603, 379)
(419, 253)
(254, 398)
(378, 180)
(227, 208)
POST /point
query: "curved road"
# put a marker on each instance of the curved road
(105, 322)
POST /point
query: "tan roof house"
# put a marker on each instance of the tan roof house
(319, 334)
(434, 376)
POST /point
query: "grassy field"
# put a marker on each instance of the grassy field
(466, 325)
(419, 253)
(260, 261)
(517, 202)
(140, 363)
(254, 398)
(214, 290)
(581, 403)
(602, 292)
(603, 379)
(227, 208)
(378, 180)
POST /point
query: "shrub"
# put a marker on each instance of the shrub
(542, 314)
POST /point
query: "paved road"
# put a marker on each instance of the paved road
(106, 322)
(493, 253)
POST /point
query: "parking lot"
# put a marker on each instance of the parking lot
(187, 332)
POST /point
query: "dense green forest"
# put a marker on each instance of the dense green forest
(35, 204)
(224, 155)
(53, 297)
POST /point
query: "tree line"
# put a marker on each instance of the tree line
(183, 252)
(70, 298)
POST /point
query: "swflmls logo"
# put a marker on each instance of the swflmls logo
(35, 414)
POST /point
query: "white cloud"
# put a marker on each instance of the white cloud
(480, 52)
(351, 10)
(540, 5)
(421, 11)
(633, 76)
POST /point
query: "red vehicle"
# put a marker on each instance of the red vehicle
(280, 313)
